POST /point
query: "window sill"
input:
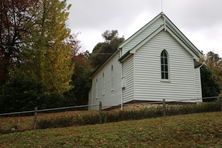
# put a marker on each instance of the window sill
(165, 81)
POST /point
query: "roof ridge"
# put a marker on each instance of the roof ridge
(141, 29)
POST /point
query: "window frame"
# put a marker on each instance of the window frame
(164, 66)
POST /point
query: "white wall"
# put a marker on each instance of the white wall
(142, 72)
(128, 73)
(198, 83)
(184, 79)
(152, 27)
(110, 96)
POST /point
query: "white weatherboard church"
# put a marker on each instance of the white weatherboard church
(157, 62)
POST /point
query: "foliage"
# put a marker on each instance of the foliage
(18, 95)
(210, 87)
(25, 94)
(104, 117)
(49, 57)
(214, 63)
(37, 47)
(14, 16)
(199, 130)
(81, 81)
(103, 50)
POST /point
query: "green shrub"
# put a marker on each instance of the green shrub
(26, 94)
(87, 119)
(104, 116)
(57, 122)
(193, 108)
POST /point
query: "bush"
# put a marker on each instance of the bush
(193, 108)
(18, 95)
(57, 122)
(104, 117)
(210, 86)
(21, 95)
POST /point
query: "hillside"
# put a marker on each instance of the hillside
(185, 130)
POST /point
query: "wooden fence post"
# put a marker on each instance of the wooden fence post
(35, 118)
(164, 107)
(220, 101)
(100, 112)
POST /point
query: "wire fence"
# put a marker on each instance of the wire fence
(24, 120)
(100, 106)
(48, 110)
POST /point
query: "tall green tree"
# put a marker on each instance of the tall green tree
(103, 50)
(42, 55)
(49, 52)
(214, 64)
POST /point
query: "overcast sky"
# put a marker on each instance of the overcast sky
(199, 20)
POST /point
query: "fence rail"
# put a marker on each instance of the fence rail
(47, 110)
(101, 107)
(163, 103)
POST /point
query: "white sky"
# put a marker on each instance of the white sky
(199, 20)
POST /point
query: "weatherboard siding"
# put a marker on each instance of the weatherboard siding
(182, 75)
(141, 36)
(109, 95)
(198, 82)
(128, 73)
(139, 76)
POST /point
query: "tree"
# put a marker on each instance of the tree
(110, 35)
(14, 17)
(80, 79)
(48, 56)
(210, 88)
(214, 64)
(103, 50)
(43, 66)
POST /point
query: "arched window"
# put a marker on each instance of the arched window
(164, 65)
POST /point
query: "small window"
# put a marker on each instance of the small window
(123, 83)
(164, 65)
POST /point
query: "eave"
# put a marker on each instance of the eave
(105, 62)
(125, 56)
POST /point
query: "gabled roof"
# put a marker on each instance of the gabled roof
(169, 26)
(140, 30)
(175, 30)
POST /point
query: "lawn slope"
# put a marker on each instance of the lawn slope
(193, 130)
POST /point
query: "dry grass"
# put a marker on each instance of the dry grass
(196, 130)
(21, 123)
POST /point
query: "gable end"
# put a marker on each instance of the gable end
(167, 25)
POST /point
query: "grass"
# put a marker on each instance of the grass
(194, 130)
